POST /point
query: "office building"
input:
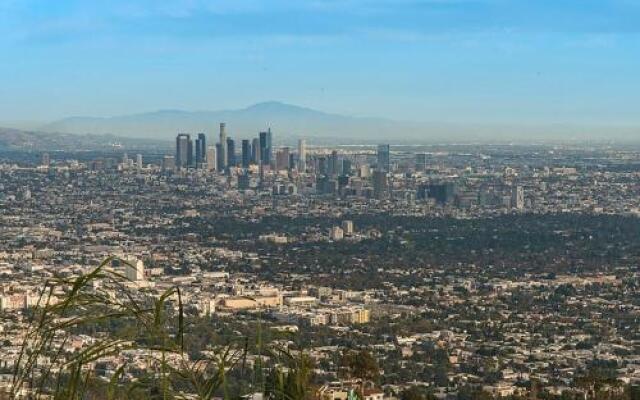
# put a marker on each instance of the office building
(255, 151)
(220, 165)
(211, 158)
(517, 197)
(231, 153)
(322, 165)
(184, 153)
(201, 150)
(265, 146)
(346, 167)
(302, 155)
(168, 163)
(384, 158)
(282, 159)
(139, 161)
(333, 164)
(246, 153)
(223, 153)
(380, 185)
(364, 171)
(421, 162)
(293, 160)
(269, 146)
(134, 270)
(46, 160)
(336, 233)
(347, 227)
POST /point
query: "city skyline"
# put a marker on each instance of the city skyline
(427, 260)
(320, 199)
(466, 62)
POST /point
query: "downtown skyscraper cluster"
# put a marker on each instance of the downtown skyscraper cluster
(185, 157)
(223, 156)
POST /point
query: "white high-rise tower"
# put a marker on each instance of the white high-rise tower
(212, 161)
(302, 155)
(134, 269)
(223, 145)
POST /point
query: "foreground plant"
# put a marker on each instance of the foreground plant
(48, 366)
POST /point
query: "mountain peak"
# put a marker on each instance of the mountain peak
(276, 106)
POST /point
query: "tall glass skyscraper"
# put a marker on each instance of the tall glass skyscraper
(231, 153)
(384, 158)
(201, 150)
(222, 154)
(255, 151)
(302, 155)
(246, 153)
(184, 151)
(266, 139)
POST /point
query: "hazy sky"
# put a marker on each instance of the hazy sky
(532, 61)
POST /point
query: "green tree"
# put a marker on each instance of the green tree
(360, 365)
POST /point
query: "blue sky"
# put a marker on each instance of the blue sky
(504, 61)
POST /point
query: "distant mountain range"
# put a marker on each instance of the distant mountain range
(290, 121)
(287, 120)
(16, 139)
